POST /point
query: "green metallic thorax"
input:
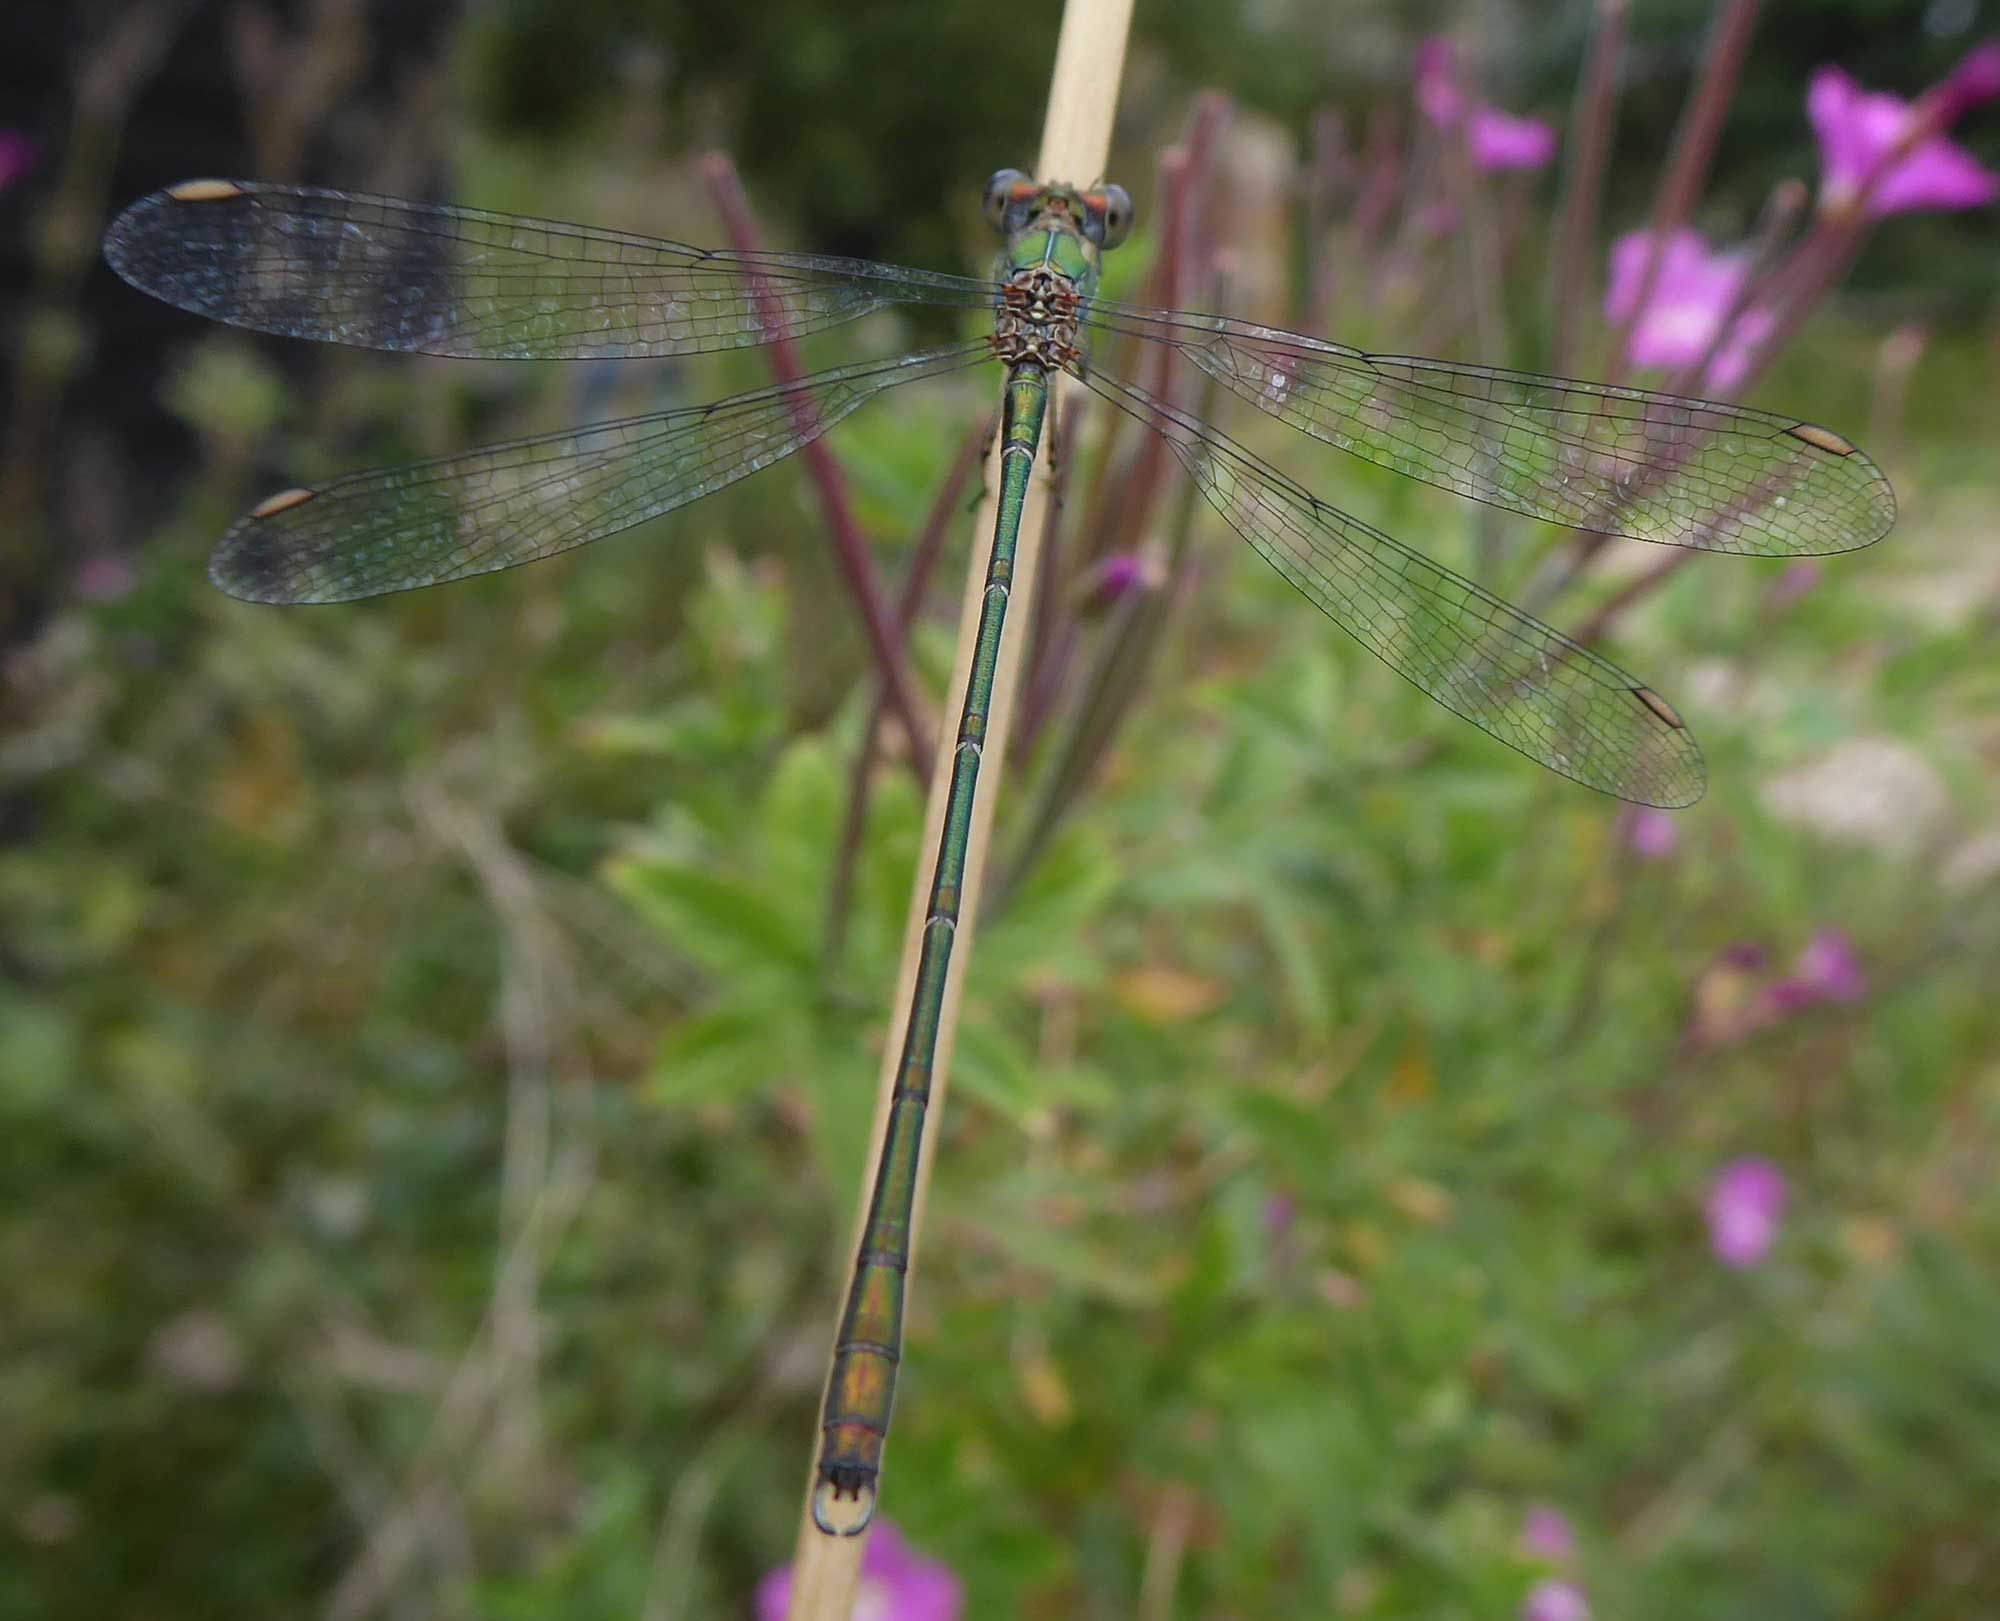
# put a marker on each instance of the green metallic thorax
(1049, 267)
(1060, 250)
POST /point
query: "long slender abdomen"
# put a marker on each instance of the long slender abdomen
(861, 1391)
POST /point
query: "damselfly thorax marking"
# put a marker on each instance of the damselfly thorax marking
(1035, 321)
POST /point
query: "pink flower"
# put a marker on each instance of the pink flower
(1798, 580)
(896, 1585)
(1437, 83)
(1859, 129)
(1732, 1001)
(1828, 964)
(1501, 141)
(18, 154)
(1744, 1203)
(1650, 834)
(1279, 1211)
(1827, 970)
(1555, 1600)
(1495, 139)
(1545, 1535)
(104, 578)
(1117, 577)
(1693, 293)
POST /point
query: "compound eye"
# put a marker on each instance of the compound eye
(999, 193)
(1117, 215)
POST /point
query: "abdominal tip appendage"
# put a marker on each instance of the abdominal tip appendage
(841, 1513)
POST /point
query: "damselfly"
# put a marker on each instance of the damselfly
(378, 273)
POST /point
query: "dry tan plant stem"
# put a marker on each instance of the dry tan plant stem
(1076, 142)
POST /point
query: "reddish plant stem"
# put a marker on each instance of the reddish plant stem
(1597, 625)
(1208, 123)
(1466, 188)
(1688, 162)
(1327, 174)
(1636, 590)
(1592, 124)
(1186, 171)
(1408, 255)
(1141, 483)
(1122, 502)
(849, 548)
(1128, 644)
(1889, 400)
(860, 789)
(1382, 166)
(1781, 214)
(1055, 625)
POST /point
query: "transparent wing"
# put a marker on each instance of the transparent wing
(1622, 461)
(1509, 674)
(402, 527)
(378, 273)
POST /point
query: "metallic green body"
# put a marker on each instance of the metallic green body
(861, 1389)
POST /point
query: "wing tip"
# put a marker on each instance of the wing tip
(134, 224)
(1674, 783)
(1681, 797)
(1881, 510)
(244, 568)
(1675, 775)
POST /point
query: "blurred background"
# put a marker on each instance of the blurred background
(1380, 1179)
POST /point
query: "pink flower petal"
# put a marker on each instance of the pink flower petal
(1497, 140)
(1279, 1211)
(18, 154)
(1738, 351)
(1973, 82)
(1798, 581)
(1500, 141)
(1828, 964)
(1546, 1535)
(1438, 95)
(1745, 1202)
(104, 578)
(1693, 291)
(1857, 129)
(1121, 575)
(1555, 1600)
(1937, 175)
(896, 1584)
(1782, 998)
(1651, 834)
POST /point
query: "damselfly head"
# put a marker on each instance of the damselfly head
(1014, 202)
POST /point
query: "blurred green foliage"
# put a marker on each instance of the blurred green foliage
(430, 1133)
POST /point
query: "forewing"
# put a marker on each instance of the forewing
(380, 273)
(401, 527)
(1509, 674)
(1622, 461)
